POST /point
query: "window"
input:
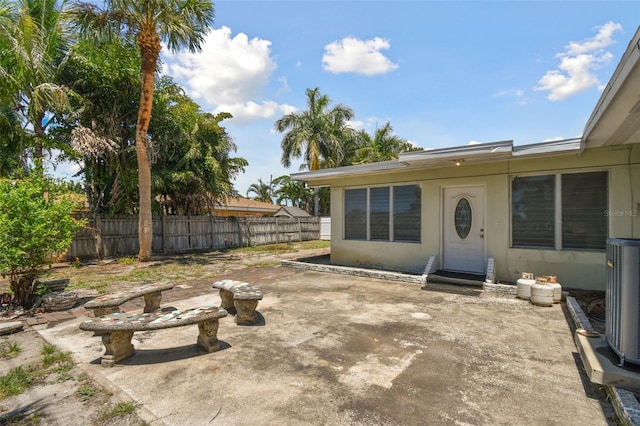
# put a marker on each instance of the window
(355, 214)
(383, 213)
(379, 211)
(406, 213)
(584, 200)
(532, 211)
(575, 221)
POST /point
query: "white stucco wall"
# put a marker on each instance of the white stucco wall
(574, 268)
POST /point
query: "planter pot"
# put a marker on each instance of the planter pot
(56, 285)
(59, 301)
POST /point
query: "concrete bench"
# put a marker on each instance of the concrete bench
(117, 329)
(242, 296)
(109, 303)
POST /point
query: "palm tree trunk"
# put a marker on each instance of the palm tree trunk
(38, 152)
(145, 224)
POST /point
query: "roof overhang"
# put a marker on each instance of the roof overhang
(446, 157)
(484, 152)
(616, 118)
(359, 170)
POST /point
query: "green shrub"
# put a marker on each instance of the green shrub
(35, 222)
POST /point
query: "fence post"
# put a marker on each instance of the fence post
(277, 232)
(299, 230)
(213, 233)
(189, 233)
(239, 233)
(98, 237)
(164, 234)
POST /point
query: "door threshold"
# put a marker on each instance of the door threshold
(454, 277)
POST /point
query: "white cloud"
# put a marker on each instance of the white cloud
(518, 94)
(250, 110)
(229, 73)
(357, 56)
(284, 85)
(356, 124)
(577, 64)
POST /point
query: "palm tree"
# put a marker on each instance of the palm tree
(179, 23)
(34, 40)
(297, 193)
(317, 133)
(384, 145)
(262, 191)
(11, 136)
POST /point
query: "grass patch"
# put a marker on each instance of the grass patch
(24, 420)
(283, 247)
(19, 379)
(266, 264)
(127, 271)
(120, 409)
(51, 356)
(86, 392)
(10, 350)
(16, 381)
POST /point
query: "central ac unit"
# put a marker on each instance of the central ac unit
(622, 322)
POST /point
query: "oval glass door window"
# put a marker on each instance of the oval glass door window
(463, 218)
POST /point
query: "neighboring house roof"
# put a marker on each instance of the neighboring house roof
(247, 205)
(294, 212)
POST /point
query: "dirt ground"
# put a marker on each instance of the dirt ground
(72, 397)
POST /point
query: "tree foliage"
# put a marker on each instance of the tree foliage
(191, 152)
(315, 134)
(263, 191)
(180, 24)
(100, 136)
(35, 222)
(290, 191)
(383, 145)
(34, 41)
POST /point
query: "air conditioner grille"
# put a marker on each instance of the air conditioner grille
(622, 323)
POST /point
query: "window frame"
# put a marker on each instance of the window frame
(391, 206)
(557, 209)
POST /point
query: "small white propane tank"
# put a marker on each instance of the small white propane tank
(541, 293)
(523, 290)
(552, 281)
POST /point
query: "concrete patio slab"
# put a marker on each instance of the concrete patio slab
(337, 349)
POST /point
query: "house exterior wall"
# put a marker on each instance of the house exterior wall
(575, 268)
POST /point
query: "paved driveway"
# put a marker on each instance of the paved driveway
(345, 350)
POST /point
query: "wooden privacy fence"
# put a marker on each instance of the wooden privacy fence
(118, 236)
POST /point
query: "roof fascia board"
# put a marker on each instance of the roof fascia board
(485, 150)
(627, 63)
(491, 153)
(360, 169)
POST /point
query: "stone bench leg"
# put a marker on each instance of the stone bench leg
(246, 312)
(208, 335)
(117, 347)
(227, 299)
(152, 301)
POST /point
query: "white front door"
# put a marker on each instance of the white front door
(463, 229)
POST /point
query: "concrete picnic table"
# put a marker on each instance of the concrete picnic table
(109, 303)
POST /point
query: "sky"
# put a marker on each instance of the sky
(442, 73)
